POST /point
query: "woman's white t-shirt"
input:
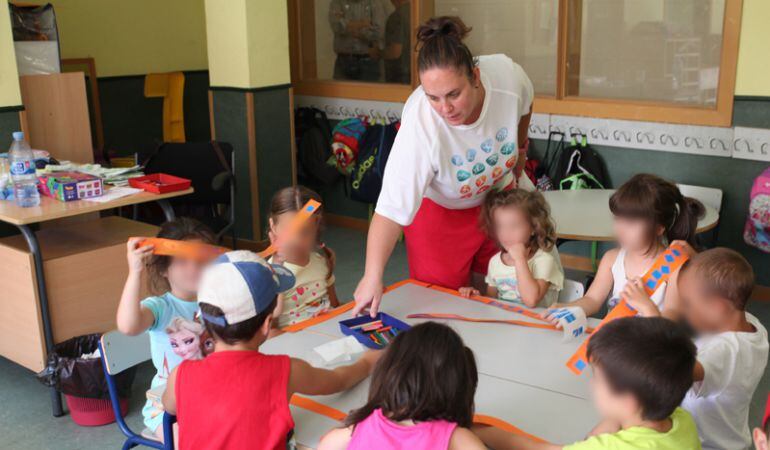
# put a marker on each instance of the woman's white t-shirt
(456, 165)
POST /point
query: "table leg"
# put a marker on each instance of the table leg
(42, 294)
(168, 210)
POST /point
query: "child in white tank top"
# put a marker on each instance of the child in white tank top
(649, 214)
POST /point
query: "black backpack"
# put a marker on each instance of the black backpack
(314, 140)
(577, 166)
(369, 168)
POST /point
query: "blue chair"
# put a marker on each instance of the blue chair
(120, 352)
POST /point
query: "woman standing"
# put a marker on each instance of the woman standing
(462, 131)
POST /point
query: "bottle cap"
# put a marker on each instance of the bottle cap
(18, 135)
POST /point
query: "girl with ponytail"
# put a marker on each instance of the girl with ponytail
(311, 262)
(463, 134)
(650, 213)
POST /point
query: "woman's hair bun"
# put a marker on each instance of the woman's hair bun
(448, 26)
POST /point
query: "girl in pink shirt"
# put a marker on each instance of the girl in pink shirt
(421, 397)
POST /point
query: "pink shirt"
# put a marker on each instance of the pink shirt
(389, 435)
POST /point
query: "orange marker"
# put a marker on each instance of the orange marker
(664, 266)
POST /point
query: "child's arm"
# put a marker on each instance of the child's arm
(531, 290)
(336, 439)
(169, 395)
(498, 439)
(597, 293)
(306, 379)
(464, 439)
(334, 301)
(492, 292)
(132, 317)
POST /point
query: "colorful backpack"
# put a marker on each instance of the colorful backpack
(369, 168)
(346, 138)
(757, 230)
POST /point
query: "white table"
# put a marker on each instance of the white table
(523, 379)
(584, 215)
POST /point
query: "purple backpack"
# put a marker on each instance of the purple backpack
(757, 231)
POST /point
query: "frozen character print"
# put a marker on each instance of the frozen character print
(185, 338)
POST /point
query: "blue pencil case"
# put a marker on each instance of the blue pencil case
(373, 339)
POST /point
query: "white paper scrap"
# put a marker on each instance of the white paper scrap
(340, 350)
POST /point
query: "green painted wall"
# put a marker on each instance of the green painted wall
(230, 122)
(134, 123)
(272, 118)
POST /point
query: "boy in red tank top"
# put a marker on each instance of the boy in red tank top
(237, 397)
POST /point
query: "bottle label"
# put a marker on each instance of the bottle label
(21, 168)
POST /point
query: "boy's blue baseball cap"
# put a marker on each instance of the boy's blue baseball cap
(242, 285)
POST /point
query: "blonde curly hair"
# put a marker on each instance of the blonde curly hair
(534, 206)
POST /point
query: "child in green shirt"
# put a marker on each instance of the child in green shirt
(642, 369)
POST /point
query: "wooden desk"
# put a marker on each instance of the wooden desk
(63, 281)
(584, 215)
(523, 378)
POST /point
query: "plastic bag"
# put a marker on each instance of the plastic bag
(36, 39)
(73, 375)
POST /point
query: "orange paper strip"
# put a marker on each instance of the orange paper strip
(184, 249)
(662, 268)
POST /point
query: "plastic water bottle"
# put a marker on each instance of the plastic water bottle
(23, 176)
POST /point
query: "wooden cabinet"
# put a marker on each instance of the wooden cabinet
(85, 269)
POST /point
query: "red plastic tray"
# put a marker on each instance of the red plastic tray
(160, 183)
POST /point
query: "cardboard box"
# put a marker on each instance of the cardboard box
(69, 186)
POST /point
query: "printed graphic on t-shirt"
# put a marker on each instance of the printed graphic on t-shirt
(483, 170)
(305, 303)
(508, 289)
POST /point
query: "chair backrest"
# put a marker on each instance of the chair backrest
(571, 291)
(196, 161)
(121, 352)
(711, 197)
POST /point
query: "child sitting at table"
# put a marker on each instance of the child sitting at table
(174, 281)
(642, 369)
(732, 346)
(421, 397)
(311, 262)
(649, 214)
(237, 397)
(527, 270)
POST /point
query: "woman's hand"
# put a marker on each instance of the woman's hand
(468, 292)
(635, 295)
(368, 293)
(136, 255)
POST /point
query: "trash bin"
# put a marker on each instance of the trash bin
(74, 368)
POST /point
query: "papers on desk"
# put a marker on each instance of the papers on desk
(114, 194)
(116, 176)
